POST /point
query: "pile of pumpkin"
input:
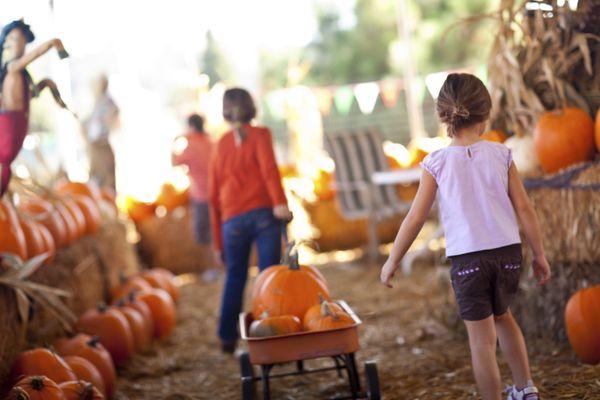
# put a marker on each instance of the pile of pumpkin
(83, 367)
(169, 198)
(45, 221)
(291, 298)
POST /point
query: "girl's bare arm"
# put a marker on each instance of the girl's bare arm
(33, 55)
(529, 223)
(411, 226)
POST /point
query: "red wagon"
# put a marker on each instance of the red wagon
(339, 344)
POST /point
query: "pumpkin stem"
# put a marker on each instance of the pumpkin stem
(293, 262)
(102, 307)
(326, 311)
(322, 298)
(264, 315)
(88, 392)
(94, 341)
(37, 383)
(19, 393)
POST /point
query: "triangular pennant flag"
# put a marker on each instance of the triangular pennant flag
(366, 96)
(343, 99)
(434, 82)
(390, 90)
(324, 99)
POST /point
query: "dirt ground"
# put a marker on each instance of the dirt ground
(411, 331)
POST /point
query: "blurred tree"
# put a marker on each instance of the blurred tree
(368, 49)
(213, 63)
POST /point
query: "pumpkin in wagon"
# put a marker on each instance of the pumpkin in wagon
(582, 319)
(37, 387)
(288, 289)
(325, 316)
(275, 326)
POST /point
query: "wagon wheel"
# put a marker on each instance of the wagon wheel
(247, 373)
(353, 377)
(373, 392)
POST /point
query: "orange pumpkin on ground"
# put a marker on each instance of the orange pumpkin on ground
(563, 138)
(80, 390)
(43, 212)
(141, 335)
(44, 362)
(162, 307)
(69, 222)
(132, 301)
(92, 350)
(494, 136)
(89, 189)
(13, 238)
(112, 329)
(37, 387)
(86, 371)
(33, 238)
(173, 287)
(325, 316)
(128, 285)
(161, 280)
(49, 245)
(582, 319)
(597, 130)
(288, 289)
(91, 213)
(76, 214)
(275, 326)
(171, 198)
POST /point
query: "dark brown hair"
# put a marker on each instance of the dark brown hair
(196, 122)
(238, 106)
(463, 101)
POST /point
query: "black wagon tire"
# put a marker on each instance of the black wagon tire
(247, 374)
(373, 391)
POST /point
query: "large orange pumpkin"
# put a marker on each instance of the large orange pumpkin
(162, 307)
(69, 222)
(325, 316)
(563, 138)
(41, 361)
(112, 329)
(80, 390)
(13, 238)
(597, 130)
(37, 387)
(582, 318)
(49, 245)
(275, 326)
(33, 237)
(76, 213)
(43, 212)
(161, 280)
(89, 189)
(494, 136)
(141, 335)
(92, 350)
(128, 285)
(86, 371)
(288, 289)
(90, 211)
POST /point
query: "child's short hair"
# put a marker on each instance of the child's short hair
(238, 106)
(462, 102)
(196, 122)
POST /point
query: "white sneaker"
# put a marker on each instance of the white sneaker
(529, 392)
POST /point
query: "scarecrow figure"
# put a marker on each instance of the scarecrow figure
(17, 88)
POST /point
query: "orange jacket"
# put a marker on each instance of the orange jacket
(243, 178)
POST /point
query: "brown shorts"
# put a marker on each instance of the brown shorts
(485, 282)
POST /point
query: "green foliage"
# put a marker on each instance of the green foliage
(213, 63)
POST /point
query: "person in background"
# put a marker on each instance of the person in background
(196, 156)
(103, 120)
(248, 205)
(481, 198)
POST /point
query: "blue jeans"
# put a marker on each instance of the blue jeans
(239, 233)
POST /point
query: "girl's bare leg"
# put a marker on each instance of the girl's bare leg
(482, 341)
(513, 347)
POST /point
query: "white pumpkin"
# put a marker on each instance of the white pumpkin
(523, 153)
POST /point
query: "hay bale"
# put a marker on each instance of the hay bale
(168, 242)
(334, 232)
(540, 309)
(570, 218)
(12, 334)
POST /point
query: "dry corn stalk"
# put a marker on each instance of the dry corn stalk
(534, 61)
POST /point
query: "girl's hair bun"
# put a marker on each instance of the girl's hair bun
(462, 102)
